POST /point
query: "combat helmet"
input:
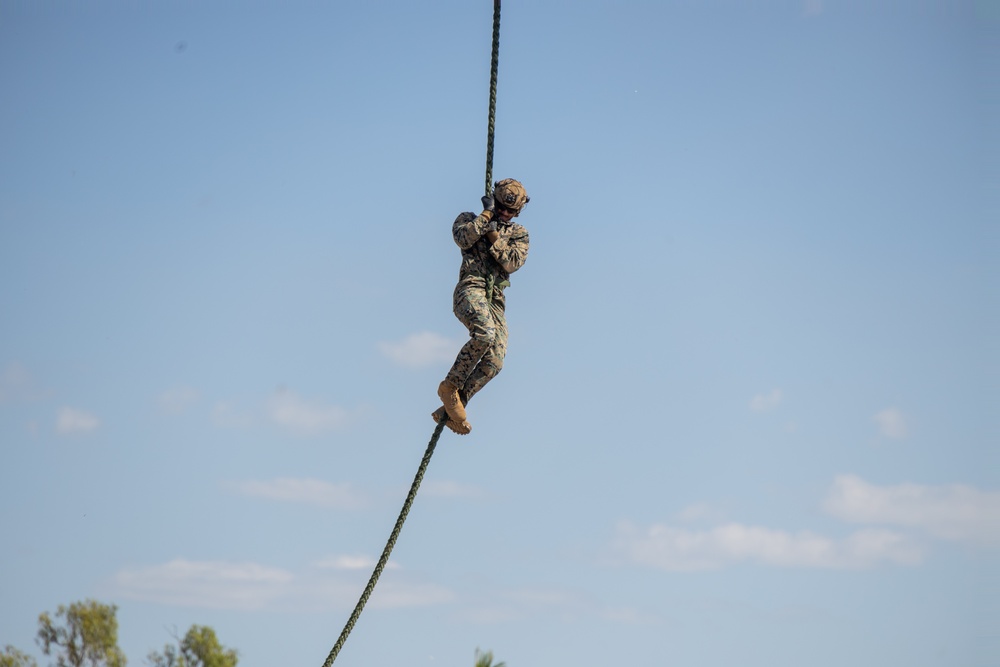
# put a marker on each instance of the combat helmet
(510, 194)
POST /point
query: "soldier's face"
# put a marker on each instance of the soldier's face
(505, 214)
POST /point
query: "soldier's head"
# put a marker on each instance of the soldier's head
(509, 197)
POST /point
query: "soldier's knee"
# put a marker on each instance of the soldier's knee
(485, 335)
(492, 367)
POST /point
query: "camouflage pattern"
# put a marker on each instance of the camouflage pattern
(510, 194)
(479, 258)
(479, 300)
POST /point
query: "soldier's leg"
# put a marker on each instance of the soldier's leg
(472, 308)
(491, 362)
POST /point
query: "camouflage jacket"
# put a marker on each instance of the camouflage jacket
(493, 263)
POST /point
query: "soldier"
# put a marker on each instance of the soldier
(493, 247)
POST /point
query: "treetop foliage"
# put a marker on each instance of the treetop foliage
(11, 657)
(89, 636)
(199, 648)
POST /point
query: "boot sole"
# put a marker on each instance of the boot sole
(459, 428)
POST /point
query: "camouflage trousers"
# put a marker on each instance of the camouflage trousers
(481, 358)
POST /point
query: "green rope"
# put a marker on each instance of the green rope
(437, 431)
(490, 125)
(388, 546)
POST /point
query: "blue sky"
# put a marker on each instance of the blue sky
(748, 414)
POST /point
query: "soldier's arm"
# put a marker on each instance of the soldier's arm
(511, 252)
(468, 228)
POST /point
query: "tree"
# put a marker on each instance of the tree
(199, 648)
(11, 657)
(89, 637)
(486, 659)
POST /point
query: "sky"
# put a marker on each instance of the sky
(748, 413)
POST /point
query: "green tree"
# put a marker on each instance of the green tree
(89, 636)
(11, 657)
(199, 648)
(485, 659)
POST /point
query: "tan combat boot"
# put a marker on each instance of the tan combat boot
(448, 393)
(461, 428)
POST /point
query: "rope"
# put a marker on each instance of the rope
(388, 546)
(493, 97)
(437, 431)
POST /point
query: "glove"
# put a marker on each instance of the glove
(488, 204)
(493, 224)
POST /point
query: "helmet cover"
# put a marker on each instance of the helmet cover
(510, 194)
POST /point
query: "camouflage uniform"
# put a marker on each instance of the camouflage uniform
(479, 300)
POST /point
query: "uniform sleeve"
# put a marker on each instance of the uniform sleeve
(468, 228)
(511, 252)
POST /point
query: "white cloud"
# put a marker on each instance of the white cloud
(953, 512)
(352, 563)
(214, 584)
(764, 402)
(301, 490)
(501, 606)
(629, 616)
(288, 410)
(72, 420)
(228, 415)
(421, 349)
(394, 594)
(251, 586)
(676, 549)
(891, 423)
(697, 512)
(177, 400)
(449, 489)
(812, 7)
(304, 417)
(507, 605)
